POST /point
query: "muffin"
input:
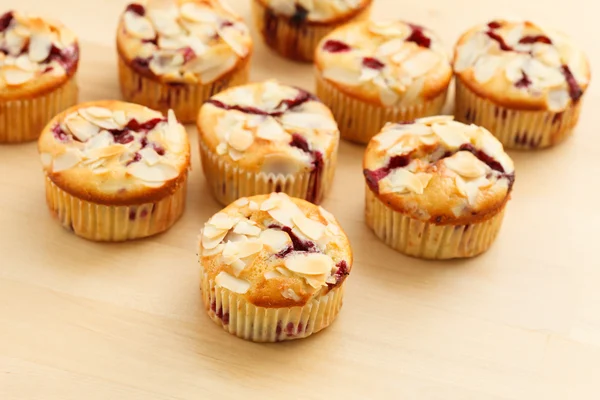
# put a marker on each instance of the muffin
(273, 268)
(267, 137)
(522, 82)
(38, 62)
(370, 73)
(115, 171)
(175, 54)
(436, 188)
(293, 28)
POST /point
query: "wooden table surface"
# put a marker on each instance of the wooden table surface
(85, 321)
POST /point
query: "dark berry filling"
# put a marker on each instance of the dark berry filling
(223, 316)
(5, 20)
(524, 82)
(340, 275)
(494, 36)
(575, 90)
(59, 133)
(137, 9)
(287, 104)
(494, 25)
(314, 184)
(336, 46)
(299, 16)
(373, 63)
(483, 157)
(188, 54)
(373, 177)
(67, 57)
(535, 39)
(418, 36)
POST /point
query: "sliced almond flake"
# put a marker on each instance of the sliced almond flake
(253, 206)
(390, 47)
(238, 267)
(98, 112)
(309, 263)
(223, 221)
(249, 248)
(389, 28)
(402, 55)
(285, 212)
(153, 185)
(100, 170)
(120, 118)
(334, 229)
(342, 75)
(81, 128)
(468, 53)
(164, 23)
(106, 152)
(240, 139)
(100, 140)
(16, 77)
(138, 26)
(368, 74)
(23, 62)
(235, 155)
(513, 70)
(241, 202)
(402, 181)
(311, 228)
(93, 163)
(222, 149)
(197, 45)
(155, 173)
(234, 39)
(196, 13)
(272, 275)
(271, 130)
(104, 123)
(461, 186)
(421, 63)
(413, 92)
(283, 272)
(149, 155)
(46, 159)
(305, 120)
(290, 294)
(39, 47)
(437, 119)
(275, 240)
(69, 159)
(329, 217)
(387, 95)
(211, 252)
(211, 243)
(211, 232)
(67, 37)
(486, 67)
(232, 283)
(558, 99)
(171, 43)
(466, 164)
(317, 281)
(14, 42)
(452, 134)
(245, 227)
(271, 202)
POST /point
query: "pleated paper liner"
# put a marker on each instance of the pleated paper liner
(291, 40)
(516, 129)
(23, 120)
(359, 121)
(185, 99)
(114, 223)
(421, 239)
(260, 324)
(229, 182)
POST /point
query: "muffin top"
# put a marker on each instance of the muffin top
(268, 127)
(115, 153)
(316, 11)
(37, 55)
(186, 41)
(386, 63)
(274, 250)
(521, 65)
(439, 170)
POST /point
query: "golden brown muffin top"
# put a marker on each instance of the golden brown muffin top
(389, 63)
(187, 41)
(115, 153)
(320, 11)
(37, 55)
(522, 65)
(268, 127)
(439, 170)
(274, 250)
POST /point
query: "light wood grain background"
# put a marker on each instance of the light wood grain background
(80, 320)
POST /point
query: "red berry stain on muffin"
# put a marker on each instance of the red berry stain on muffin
(418, 36)
(494, 25)
(136, 9)
(575, 90)
(316, 175)
(285, 105)
(535, 39)
(67, 57)
(5, 20)
(373, 177)
(298, 244)
(336, 46)
(373, 63)
(188, 54)
(59, 133)
(340, 275)
(500, 40)
(524, 82)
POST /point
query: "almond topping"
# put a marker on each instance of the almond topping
(81, 128)
(246, 227)
(155, 173)
(39, 47)
(232, 283)
(138, 26)
(240, 139)
(70, 158)
(16, 77)
(309, 263)
(290, 294)
(465, 164)
(312, 229)
(223, 221)
(451, 133)
(275, 240)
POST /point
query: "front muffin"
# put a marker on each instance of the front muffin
(437, 188)
(293, 28)
(273, 268)
(38, 62)
(522, 82)
(267, 137)
(175, 54)
(370, 73)
(115, 171)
